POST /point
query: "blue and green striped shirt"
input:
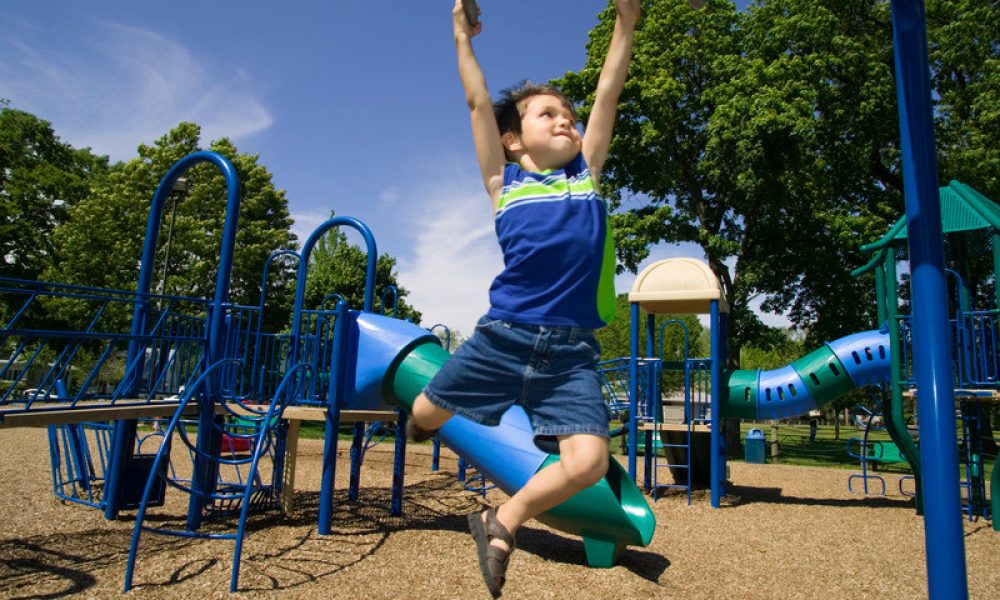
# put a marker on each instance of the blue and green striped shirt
(557, 247)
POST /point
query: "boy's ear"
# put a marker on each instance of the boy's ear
(511, 142)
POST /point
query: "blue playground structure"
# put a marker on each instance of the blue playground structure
(192, 396)
(871, 453)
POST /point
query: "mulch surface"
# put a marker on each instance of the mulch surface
(783, 532)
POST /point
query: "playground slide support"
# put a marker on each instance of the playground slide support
(945, 546)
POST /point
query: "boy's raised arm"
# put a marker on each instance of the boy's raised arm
(597, 137)
(485, 133)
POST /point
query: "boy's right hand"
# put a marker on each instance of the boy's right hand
(461, 21)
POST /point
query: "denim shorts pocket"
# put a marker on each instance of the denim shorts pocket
(488, 323)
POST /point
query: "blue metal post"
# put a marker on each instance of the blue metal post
(357, 456)
(398, 466)
(652, 397)
(436, 455)
(633, 392)
(723, 367)
(335, 392)
(945, 547)
(715, 465)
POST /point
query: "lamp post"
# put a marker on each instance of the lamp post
(177, 193)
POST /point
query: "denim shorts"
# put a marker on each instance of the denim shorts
(550, 371)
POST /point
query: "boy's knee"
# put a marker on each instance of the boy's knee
(585, 470)
(426, 414)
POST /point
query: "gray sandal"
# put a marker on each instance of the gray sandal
(492, 560)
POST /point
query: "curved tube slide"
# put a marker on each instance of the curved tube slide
(396, 359)
(817, 378)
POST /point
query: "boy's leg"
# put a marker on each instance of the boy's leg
(427, 415)
(583, 461)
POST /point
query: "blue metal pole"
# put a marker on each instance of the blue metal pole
(398, 466)
(652, 398)
(335, 392)
(633, 392)
(715, 464)
(357, 455)
(932, 366)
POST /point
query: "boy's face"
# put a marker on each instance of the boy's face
(548, 132)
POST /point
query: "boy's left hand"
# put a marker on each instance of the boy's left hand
(629, 9)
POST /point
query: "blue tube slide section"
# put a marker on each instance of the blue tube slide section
(810, 382)
(395, 359)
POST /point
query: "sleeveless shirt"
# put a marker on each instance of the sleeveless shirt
(557, 247)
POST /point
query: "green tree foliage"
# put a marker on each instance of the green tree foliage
(41, 180)
(615, 338)
(337, 266)
(769, 137)
(102, 241)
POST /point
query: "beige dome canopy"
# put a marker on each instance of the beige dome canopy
(677, 286)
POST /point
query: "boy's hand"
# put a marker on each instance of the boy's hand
(629, 10)
(461, 21)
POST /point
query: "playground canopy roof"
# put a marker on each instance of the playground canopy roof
(677, 286)
(962, 209)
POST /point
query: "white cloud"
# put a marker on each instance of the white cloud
(389, 196)
(454, 256)
(306, 222)
(117, 86)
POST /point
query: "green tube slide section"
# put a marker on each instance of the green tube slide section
(810, 382)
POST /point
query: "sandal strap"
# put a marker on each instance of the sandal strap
(499, 555)
(495, 530)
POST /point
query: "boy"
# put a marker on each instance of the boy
(536, 344)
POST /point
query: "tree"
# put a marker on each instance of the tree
(41, 179)
(102, 241)
(338, 267)
(769, 137)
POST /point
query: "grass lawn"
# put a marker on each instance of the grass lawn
(794, 447)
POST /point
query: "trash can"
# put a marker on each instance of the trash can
(753, 447)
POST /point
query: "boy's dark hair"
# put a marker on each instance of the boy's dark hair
(505, 109)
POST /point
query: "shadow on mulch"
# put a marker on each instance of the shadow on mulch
(740, 495)
(556, 548)
(280, 552)
(56, 565)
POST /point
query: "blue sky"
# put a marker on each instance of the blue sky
(353, 106)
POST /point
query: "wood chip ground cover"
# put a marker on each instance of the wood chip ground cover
(784, 532)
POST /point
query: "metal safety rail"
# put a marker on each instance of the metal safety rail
(976, 342)
(972, 417)
(975, 358)
(614, 377)
(80, 335)
(257, 429)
